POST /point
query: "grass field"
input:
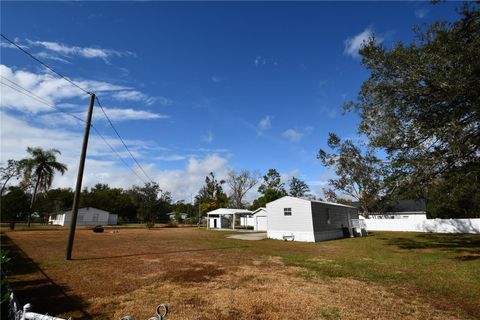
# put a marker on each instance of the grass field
(203, 275)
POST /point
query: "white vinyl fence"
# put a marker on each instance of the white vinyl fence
(427, 225)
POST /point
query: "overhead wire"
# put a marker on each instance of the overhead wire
(32, 95)
(45, 65)
(84, 90)
(123, 142)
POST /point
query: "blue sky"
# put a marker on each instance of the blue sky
(194, 87)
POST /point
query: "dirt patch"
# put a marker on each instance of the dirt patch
(273, 292)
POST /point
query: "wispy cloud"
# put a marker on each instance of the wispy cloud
(355, 43)
(46, 55)
(421, 13)
(84, 52)
(330, 112)
(265, 123)
(173, 157)
(59, 119)
(134, 95)
(292, 135)
(54, 90)
(208, 138)
(261, 61)
(296, 135)
(216, 79)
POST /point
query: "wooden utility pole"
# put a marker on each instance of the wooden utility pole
(78, 188)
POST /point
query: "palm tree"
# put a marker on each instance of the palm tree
(39, 170)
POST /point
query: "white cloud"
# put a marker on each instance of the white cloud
(84, 52)
(261, 61)
(134, 95)
(55, 91)
(102, 165)
(292, 135)
(330, 112)
(355, 43)
(59, 119)
(185, 183)
(265, 123)
(46, 55)
(173, 157)
(208, 138)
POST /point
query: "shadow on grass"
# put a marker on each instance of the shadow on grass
(159, 253)
(466, 245)
(37, 288)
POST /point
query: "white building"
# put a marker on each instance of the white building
(224, 218)
(86, 217)
(260, 219)
(298, 219)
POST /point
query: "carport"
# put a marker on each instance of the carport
(224, 218)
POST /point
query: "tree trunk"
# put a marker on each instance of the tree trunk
(3, 187)
(33, 201)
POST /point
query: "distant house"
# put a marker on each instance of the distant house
(172, 216)
(260, 219)
(291, 218)
(403, 209)
(87, 216)
(224, 218)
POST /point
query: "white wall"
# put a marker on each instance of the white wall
(260, 223)
(88, 217)
(427, 225)
(299, 224)
(247, 221)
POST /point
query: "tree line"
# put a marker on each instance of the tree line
(147, 203)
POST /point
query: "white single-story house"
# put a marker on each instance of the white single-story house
(291, 218)
(224, 218)
(403, 209)
(87, 216)
(260, 219)
(172, 216)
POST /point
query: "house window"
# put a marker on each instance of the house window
(287, 211)
(95, 217)
(328, 216)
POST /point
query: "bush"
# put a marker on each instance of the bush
(150, 225)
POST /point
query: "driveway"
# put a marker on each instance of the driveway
(249, 236)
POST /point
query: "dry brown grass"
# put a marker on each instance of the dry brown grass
(199, 274)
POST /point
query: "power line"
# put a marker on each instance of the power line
(123, 142)
(89, 93)
(30, 94)
(116, 153)
(45, 65)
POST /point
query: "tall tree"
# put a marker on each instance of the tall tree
(15, 205)
(211, 196)
(7, 172)
(298, 188)
(39, 170)
(240, 184)
(421, 105)
(272, 188)
(153, 204)
(359, 174)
